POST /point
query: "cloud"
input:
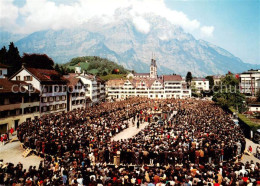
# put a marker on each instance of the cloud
(207, 31)
(46, 14)
(8, 15)
(141, 25)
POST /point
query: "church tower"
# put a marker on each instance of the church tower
(153, 68)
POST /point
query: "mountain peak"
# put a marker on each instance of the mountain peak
(124, 42)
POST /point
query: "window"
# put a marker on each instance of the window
(50, 99)
(44, 99)
(1, 73)
(44, 89)
(27, 78)
(18, 78)
(51, 107)
(50, 89)
(1, 87)
(56, 89)
(57, 98)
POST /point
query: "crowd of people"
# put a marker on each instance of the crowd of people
(199, 145)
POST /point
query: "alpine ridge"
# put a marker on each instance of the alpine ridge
(175, 50)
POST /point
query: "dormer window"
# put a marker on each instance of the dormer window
(27, 78)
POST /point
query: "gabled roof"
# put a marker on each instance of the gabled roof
(3, 66)
(141, 74)
(72, 79)
(7, 86)
(44, 75)
(148, 81)
(172, 78)
(115, 82)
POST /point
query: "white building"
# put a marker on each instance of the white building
(200, 84)
(75, 92)
(95, 88)
(254, 107)
(217, 79)
(52, 88)
(166, 86)
(3, 71)
(18, 103)
(249, 82)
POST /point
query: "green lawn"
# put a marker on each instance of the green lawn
(254, 126)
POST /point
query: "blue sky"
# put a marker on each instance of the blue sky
(232, 25)
(236, 24)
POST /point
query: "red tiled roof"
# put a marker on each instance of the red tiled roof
(141, 74)
(46, 75)
(115, 82)
(72, 79)
(172, 78)
(7, 86)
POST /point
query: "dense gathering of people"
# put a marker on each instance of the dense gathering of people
(198, 145)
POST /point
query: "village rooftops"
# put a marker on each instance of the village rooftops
(45, 76)
(172, 78)
(7, 86)
(199, 79)
(141, 74)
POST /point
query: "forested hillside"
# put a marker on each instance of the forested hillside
(97, 66)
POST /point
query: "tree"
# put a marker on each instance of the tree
(211, 81)
(228, 94)
(3, 55)
(188, 78)
(13, 59)
(37, 61)
(57, 68)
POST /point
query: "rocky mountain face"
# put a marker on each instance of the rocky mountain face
(120, 41)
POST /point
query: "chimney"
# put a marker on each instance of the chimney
(23, 65)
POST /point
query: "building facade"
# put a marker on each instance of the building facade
(254, 107)
(75, 93)
(200, 84)
(95, 88)
(3, 71)
(249, 82)
(148, 85)
(167, 86)
(52, 88)
(18, 103)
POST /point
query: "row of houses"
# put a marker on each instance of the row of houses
(31, 93)
(166, 86)
(148, 85)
